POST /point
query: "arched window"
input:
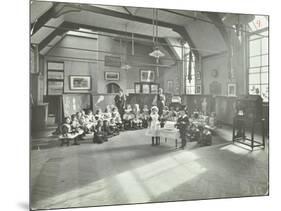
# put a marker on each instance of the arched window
(112, 88)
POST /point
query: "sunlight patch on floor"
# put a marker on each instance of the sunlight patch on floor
(133, 186)
(235, 149)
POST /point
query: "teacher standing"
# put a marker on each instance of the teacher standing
(120, 100)
(160, 101)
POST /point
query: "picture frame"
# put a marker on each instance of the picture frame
(112, 61)
(198, 75)
(198, 89)
(80, 82)
(54, 65)
(111, 76)
(56, 75)
(55, 87)
(170, 86)
(154, 88)
(231, 89)
(137, 88)
(145, 88)
(147, 75)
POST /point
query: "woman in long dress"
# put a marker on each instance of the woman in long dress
(154, 127)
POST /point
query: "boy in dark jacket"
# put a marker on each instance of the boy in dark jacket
(182, 124)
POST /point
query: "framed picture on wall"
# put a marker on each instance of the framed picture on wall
(231, 89)
(57, 75)
(80, 82)
(55, 87)
(137, 88)
(198, 89)
(154, 88)
(198, 75)
(170, 86)
(145, 88)
(112, 76)
(147, 75)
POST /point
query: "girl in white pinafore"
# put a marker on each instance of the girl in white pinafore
(154, 127)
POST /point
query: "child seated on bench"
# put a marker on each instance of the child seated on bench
(117, 119)
(99, 115)
(107, 114)
(67, 133)
(172, 115)
(136, 122)
(99, 136)
(106, 129)
(113, 127)
(145, 116)
(128, 117)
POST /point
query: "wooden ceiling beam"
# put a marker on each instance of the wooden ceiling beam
(59, 31)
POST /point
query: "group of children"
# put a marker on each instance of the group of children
(108, 123)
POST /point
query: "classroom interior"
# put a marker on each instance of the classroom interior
(215, 65)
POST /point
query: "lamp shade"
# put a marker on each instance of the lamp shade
(156, 53)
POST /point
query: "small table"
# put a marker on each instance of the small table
(66, 138)
(172, 133)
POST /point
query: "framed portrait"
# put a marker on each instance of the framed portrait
(112, 61)
(231, 89)
(53, 65)
(198, 75)
(80, 82)
(154, 88)
(55, 87)
(137, 88)
(57, 75)
(145, 88)
(170, 86)
(112, 76)
(198, 89)
(147, 75)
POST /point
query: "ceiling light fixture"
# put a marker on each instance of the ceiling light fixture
(156, 53)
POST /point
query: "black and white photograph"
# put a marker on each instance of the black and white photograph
(112, 76)
(79, 82)
(137, 105)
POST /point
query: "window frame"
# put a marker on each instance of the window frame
(261, 66)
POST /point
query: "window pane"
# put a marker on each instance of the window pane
(255, 46)
(264, 69)
(255, 61)
(254, 89)
(190, 90)
(254, 70)
(254, 78)
(265, 92)
(253, 37)
(264, 60)
(264, 78)
(265, 33)
(264, 45)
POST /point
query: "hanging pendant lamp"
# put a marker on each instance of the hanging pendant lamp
(156, 53)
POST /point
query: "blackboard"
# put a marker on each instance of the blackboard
(73, 103)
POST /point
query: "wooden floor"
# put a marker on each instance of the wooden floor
(127, 169)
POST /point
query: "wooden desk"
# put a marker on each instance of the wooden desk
(170, 134)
